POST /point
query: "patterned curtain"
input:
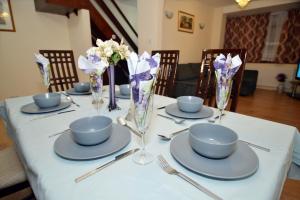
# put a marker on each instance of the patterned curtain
(247, 32)
(289, 44)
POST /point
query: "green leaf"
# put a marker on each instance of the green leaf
(115, 57)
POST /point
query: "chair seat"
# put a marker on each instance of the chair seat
(11, 170)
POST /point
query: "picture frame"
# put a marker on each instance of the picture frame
(6, 16)
(186, 22)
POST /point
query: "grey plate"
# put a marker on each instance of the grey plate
(241, 164)
(205, 112)
(121, 96)
(32, 108)
(73, 92)
(65, 146)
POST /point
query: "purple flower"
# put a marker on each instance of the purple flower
(281, 77)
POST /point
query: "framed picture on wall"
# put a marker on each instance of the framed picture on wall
(6, 16)
(185, 22)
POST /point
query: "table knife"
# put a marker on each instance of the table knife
(117, 158)
(53, 114)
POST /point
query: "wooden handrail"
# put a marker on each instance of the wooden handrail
(124, 17)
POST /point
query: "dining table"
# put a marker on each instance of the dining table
(53, 178)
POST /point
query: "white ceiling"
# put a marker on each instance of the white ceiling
(219, 3)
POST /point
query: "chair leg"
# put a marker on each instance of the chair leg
(14, 188)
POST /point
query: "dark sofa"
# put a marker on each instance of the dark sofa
(187, 76)
(248, 86)
(186, 79)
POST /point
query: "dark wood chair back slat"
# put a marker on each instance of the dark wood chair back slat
(166, 75)
(206, 83)
(63, 69)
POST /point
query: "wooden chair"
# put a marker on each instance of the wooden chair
(12, 174)
(63, 69)
(206, 81)
(166, 76)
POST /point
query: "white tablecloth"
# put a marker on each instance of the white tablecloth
(52, 177)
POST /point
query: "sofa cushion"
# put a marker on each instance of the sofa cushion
(188, 71)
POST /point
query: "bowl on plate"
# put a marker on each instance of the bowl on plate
(190, 104)
(91, 130)
(47, 100)
(212, 140)
(125, 89)
(82, 87)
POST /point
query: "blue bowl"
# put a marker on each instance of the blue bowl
(189, 104)
(47, 100)
(91, 130)
(82, 87)
(125, 89)
(212, 140)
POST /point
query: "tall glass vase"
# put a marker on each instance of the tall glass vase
(112, 97)
(223, 91)
(96, 83)
(142, 113)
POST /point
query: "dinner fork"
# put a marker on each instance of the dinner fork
(167, 168)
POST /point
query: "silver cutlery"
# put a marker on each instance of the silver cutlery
(129, 115)
(53, 114)
(256, 146)
(213, 120)
(162, 107)
(70, 99)
(117, 158)
(123, 122)
(164, 137)
(168, 169)
(177, 121)
(55, 134)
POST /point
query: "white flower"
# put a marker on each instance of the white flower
(99, 42)
(93, 51)
(108, 51)
(124, 51)
(105, 62)
(113, 44)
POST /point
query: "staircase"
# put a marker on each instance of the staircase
(107, 20)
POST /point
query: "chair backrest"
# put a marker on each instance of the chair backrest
(63, 69)
(166, 76)
(206, 81)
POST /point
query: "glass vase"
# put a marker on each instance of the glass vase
(223, 92)
(112, 96)
(142, 113)
(96, 84)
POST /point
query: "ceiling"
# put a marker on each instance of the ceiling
(219, 3)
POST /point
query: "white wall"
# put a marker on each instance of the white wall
(80, 36)
(267, 72)
(19, 75)
(150, 14)
(189, 44)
